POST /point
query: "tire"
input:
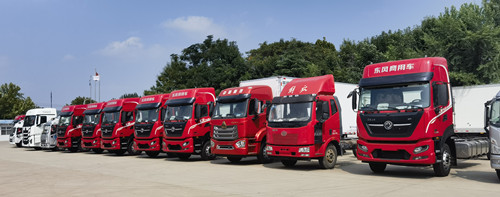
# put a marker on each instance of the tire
(443, 169)
(119, 152)
(97, 150)
(289, 162)
(262, 156)
(234, 159)
(55, 148)
(183, 156)
(354, 152)
(38, 148)
(330, 159)
(152, 154)
(206, 154)
(498, 173)
(19, 145)
(377, 167)
(131, 150)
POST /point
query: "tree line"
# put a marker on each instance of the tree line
(468, 37)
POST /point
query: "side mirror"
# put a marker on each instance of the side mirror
(440, 94)
(197, 112)
(211, 110)
(354, 95)
(486, 116)
(256, 106)
(123, 118)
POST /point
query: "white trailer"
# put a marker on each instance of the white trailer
(32, 127)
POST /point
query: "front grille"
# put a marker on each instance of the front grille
(107, 145)
(391, 124)
(107, 131)
(61, 131)
(87, 144)
(143, 130)
(88, 131)
(174, 147)
(395, 155)
(44, 138)
(285, 139)
(143, 146)
(26, 132)
(225, 147)
(228, 133)
(174, 129)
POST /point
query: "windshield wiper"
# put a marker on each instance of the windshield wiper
(415, 107)
(372, 108)
(393, 108)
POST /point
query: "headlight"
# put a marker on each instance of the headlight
(363, 147)
(153, 143)
(269, 148)
(113, 143)
(185, 143)
(421, 149)
(212, 143)
(241, 144)
(304, 150)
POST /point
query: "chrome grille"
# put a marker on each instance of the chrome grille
(228, 133)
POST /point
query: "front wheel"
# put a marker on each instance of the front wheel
(262, 156)
(443, 168)
(19, 144)
(377, 167)
(152, 154)
(206, 154)
(131, 149)
(330, 159)
(498, 173)
(289, 162)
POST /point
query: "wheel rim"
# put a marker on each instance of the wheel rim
(207, 151)
(330, 156)
(446, 160)
(133, 148)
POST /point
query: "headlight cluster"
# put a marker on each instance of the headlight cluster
(363, 147)
(212, 143)
(421, 149)
(304, 150)
(269, 148)
(241, 144)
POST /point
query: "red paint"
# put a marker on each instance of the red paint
(73, 132)
(121, 132)
(93, 141)
(151, 142)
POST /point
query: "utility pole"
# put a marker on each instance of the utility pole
(96, 79)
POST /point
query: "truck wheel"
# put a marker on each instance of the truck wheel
(119, 152)
(206, 154)
(19, 144)
(289, 162)
(262, 156)
(498, 173)
(354, 152)
(97, 150)
(443, 168)
(131, 149)
(234, 159)
(152, 154)
(55, 148)
(377, 167)
(330, 159)
(183, 156)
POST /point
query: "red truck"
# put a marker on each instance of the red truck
(69, 129)
(304, 123)
(405, 115)
(239, 123)
(149, 124)
(187, 123)
(117, 126)
(91, 128)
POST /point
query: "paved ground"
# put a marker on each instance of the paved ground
(26, 172)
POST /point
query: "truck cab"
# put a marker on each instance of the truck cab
(69, 129)
(49, 134)
(91, 127)
(32, 126)
(187, 123)
(239, 123)
(149, 124)
(304, 122)
(117, 126)
(405, 115)
(17, 132)
(492, 126)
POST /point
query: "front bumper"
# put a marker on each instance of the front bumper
(91, 142)
(111, 144)
(495, 161)
(148, 144)
(293, 151)
(230, 148)
(178, 146)
(64, 142)
(399, 153)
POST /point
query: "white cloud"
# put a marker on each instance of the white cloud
(68, 57)
(196, 26)
(118, 48)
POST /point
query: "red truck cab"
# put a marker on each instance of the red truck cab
(405, 115)
(239, 123)
(304, 122)
(117, 126)
(69, 129)
(149, 124)
(187, 123)
(91, 127)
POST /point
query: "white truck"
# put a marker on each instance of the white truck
(492, 126)
(342, 90)
(17, 133)
(32, 127)
(49, 134)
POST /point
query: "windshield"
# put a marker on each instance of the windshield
(495, 113)
(29, 121)
(64, 120)
(111, 117)
(182, 112)
(395, 98)
(290, 112)
(231, 110)
(150, 115)
(91, 119)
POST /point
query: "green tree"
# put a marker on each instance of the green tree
(12, 101)
(80, 100)
(130, 95)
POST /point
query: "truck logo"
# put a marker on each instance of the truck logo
(394, 68)
(388, 125)
(142, 130)
(291, 90)
(283, 133)
(304, 89)
(224, 126)
(173, 129)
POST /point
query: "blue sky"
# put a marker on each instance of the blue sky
(55, 45)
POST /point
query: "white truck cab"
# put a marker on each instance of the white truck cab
(49, 134)
(17, 134)
(33, 126)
